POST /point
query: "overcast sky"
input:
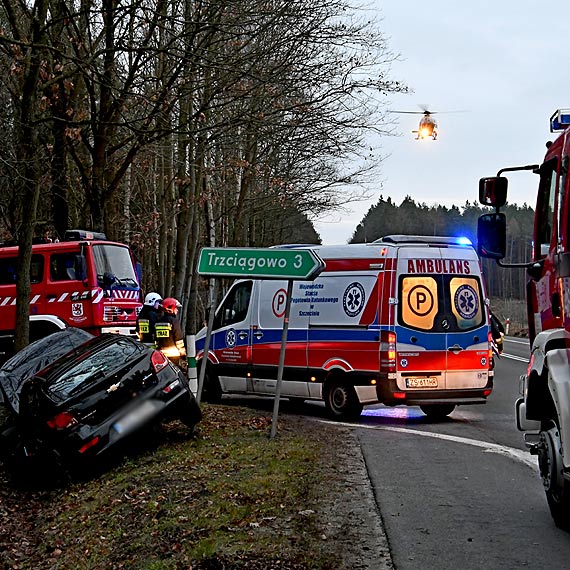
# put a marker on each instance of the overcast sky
(502, 62)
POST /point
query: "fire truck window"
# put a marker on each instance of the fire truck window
(545, 209)
(37, 269)
(61, 267)
(8, 271)
(9, 274)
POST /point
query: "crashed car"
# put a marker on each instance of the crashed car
(90, 395)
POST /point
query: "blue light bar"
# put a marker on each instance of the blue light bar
(463, 241)
(560, 120)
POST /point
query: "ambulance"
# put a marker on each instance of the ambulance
(402, 321)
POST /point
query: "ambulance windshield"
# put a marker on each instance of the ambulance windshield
(114, 266)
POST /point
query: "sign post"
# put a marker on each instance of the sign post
(292, 264)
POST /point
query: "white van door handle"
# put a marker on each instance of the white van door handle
(455, 348)
(242, 335)
(257, 334)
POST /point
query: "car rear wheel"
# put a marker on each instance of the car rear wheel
(190, 414)
(341, 400)
(438, 411)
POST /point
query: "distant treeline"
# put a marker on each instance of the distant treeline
(386, 218)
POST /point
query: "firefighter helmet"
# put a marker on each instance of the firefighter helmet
(152, 299)
(171, 305)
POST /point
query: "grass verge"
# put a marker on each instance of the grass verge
(225, 498)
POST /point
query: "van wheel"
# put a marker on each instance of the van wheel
(438, 411)
(212, 390)
(341, 401)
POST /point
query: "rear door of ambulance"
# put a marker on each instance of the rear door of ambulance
(442, 341)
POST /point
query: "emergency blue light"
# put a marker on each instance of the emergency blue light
(463, 241)
(560, 120)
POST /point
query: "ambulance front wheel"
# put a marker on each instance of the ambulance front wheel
(437, 411)
(341, 400)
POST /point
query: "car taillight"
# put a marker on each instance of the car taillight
(388, 353)
(89, 444)
(62, 420)
(159, 361)
(490, 338)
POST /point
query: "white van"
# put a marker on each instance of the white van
(400, 321)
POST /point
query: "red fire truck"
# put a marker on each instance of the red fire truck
(83, 281)
(543, 411)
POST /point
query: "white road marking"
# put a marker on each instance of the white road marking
(513, 453)
(514, 357)
(516, 341)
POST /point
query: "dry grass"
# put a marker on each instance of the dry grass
(226, 498)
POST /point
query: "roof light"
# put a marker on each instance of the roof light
(560, 120)
(462, 240)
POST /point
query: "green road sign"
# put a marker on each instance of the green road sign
(260, 263)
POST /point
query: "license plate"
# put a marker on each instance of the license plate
(136, 417)
(425, 382)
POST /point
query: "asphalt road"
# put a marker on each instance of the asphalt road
(463, 492)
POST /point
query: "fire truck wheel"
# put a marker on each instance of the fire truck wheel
(212, 388)
(557, 488)
(437, 411)
(341, 400)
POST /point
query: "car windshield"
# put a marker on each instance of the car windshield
(94, 366)
(114, 263)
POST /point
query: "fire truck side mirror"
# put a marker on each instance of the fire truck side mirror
(535, 270)
(492, 236)
(493, 191)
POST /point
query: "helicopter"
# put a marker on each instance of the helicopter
(427, 127)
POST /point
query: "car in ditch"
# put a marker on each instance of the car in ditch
(87, 396)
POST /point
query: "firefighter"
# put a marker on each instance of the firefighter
(168, 333)
(497, 331)
(146, 319)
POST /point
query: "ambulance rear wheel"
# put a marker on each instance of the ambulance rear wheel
(438, 411)
(341, 400)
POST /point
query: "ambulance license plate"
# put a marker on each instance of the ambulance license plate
(425, 382)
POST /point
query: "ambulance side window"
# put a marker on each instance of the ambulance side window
(235, 305)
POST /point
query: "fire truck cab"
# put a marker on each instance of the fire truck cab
(83, 281)
(543, 410)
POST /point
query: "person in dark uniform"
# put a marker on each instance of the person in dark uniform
(497, 331)
(146, 319)
(168, 333)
